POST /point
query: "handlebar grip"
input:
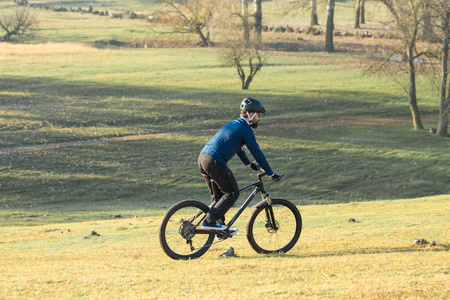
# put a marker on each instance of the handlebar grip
(278, 178)
(257, 166)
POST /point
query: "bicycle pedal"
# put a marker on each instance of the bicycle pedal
(223, 235)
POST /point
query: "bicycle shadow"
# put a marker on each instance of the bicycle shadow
(363, 251)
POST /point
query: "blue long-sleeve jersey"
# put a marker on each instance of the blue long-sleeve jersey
(230, 140)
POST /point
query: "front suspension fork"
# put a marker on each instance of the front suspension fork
(271, 224)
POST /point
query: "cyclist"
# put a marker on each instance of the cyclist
(214, 157)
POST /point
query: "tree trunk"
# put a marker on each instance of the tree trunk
(415, 113)
(329, 47)
(314, 19)
(442, 129)
(7, 37)
(258, 23)
(241, 75)
(253, 70)
(205, 39)
(246, 33)
(357, 14)
(247, 83)
(363, 12)
(412, 93)
(428, 34)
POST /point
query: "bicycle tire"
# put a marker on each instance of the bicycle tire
(176, 236)
(261, 235)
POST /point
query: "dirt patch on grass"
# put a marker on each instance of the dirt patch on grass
(23, 149)
(290, 42)
(346, 44)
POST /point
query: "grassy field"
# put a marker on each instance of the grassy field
(372, 258)
(89, 28)
(88, 132)
(174, 99)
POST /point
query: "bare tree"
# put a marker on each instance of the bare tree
(192, 16)
(234, 18)
(409, 16)
(442, 9)
(22, 2)
(329, 45)
(18, 23)
(444, 101)
(238, 8)
(239, 49)
(301, 5)
(236, 54)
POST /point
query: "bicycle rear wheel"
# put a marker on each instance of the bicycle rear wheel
(177, 234)
(278, 234)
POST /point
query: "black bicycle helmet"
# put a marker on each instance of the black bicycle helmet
(252, 105)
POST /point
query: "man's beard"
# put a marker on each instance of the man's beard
(254, 125)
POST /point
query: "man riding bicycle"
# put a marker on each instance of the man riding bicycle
(214, 157)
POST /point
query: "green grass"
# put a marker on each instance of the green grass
(86, 28)
(89, 28)
(77, 92)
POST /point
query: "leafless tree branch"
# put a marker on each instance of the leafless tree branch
(18, 23)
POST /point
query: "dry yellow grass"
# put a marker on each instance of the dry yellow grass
(371, 258)
(7, 49)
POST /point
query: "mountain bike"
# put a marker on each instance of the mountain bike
(273, 227)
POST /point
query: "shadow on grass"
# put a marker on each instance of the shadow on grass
(51, 91)
(362, 251)
(336, 164)
(378, 250)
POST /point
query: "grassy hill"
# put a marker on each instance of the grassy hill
(101, 138)
(67, 107)
(318, 131)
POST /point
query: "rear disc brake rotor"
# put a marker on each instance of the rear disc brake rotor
(187, 230)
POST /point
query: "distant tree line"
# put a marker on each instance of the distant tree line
(417, 20)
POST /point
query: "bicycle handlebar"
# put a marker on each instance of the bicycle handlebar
(261, 175)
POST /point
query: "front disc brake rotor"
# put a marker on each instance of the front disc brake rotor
(270, 228)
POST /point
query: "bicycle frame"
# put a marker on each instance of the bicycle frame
(181, 225)
(259, 187)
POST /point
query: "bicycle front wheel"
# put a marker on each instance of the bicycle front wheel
(177, 233)
(274, 233)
